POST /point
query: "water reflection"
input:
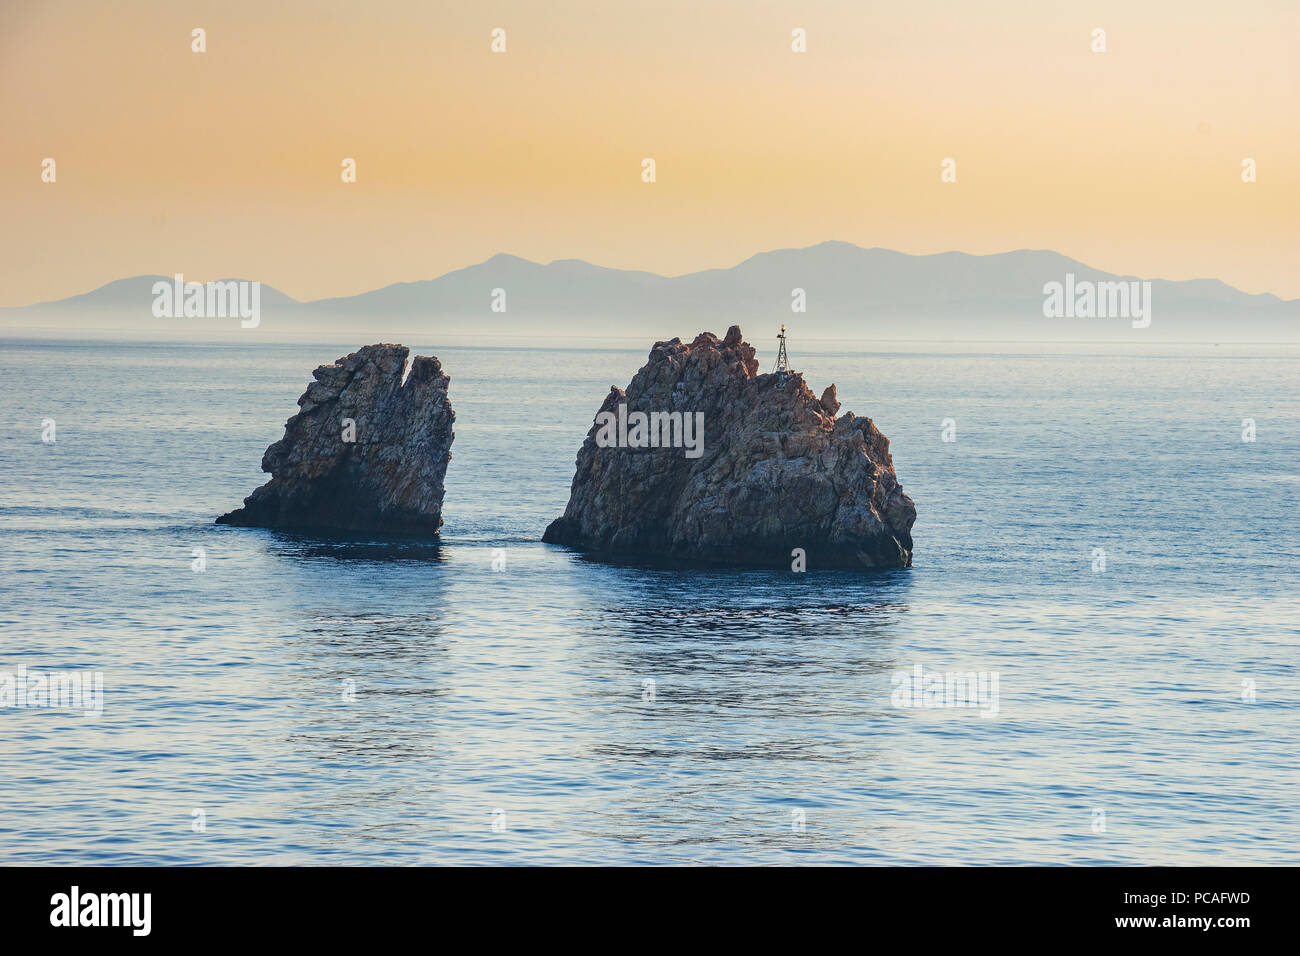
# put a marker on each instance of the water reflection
(364, 645)
(289, 545)
(729, 698)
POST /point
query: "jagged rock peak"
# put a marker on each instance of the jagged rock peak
(367, 450)
(704, 459)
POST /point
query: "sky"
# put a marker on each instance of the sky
(227, 163)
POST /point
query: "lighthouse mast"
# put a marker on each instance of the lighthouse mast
(782, 370)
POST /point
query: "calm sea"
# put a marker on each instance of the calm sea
(304, 700)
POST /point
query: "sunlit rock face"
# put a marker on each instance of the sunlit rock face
(366, 450)
(776, 469)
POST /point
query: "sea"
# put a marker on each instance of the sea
(1106, 535)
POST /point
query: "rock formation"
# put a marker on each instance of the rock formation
(366, 451)
(777, 470)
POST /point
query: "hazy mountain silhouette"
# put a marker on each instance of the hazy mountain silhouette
(851, 292)
(136, 292)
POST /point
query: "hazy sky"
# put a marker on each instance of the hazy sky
(227, 163)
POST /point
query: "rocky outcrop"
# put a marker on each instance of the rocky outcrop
(776, 471)
(366, 451)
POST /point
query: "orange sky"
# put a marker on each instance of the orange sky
(227, 163)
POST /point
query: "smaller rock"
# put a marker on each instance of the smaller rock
(365, 452)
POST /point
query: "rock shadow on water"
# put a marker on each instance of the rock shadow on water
(742, 624)
(632, 583)
(346, 546)
(747, 570)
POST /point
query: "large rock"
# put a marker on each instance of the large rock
(778, 471)
(388, 477)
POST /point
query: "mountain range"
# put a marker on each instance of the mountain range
(848, 292)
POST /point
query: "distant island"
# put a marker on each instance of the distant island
(832, 290)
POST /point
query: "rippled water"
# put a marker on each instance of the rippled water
(515, 697)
